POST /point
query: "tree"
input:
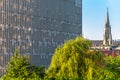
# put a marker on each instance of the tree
(19, 68)
(112, 68)
(74, 60)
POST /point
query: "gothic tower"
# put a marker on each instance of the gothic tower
(107, 38)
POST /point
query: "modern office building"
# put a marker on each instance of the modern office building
(37, 27)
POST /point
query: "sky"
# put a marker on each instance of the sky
(94, 15)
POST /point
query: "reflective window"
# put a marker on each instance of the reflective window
(78, 3)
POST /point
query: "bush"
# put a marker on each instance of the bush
(19, 68)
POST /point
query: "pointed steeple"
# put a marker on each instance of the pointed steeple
(107, 17)
(107, 38)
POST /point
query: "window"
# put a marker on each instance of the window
(78, 3)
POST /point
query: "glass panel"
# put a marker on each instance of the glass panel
(78, 3)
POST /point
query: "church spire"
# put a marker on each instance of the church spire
(107, 17)
(107, 38)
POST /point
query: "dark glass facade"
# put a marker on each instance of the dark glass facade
(37, 27)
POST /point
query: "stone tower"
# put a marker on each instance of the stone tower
(107, 38)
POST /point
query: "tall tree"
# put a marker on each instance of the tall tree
(74, 60)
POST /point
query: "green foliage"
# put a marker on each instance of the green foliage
(74, 60)
(112, 65)
(110, 69)
(19, 68)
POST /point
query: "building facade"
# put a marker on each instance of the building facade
(37, 27)
(107, 39)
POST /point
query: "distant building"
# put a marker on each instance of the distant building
(107, 39)
(109, 53)
(37, 27)
(117, 42)
(97, 43)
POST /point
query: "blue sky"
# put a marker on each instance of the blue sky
(94, 14)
